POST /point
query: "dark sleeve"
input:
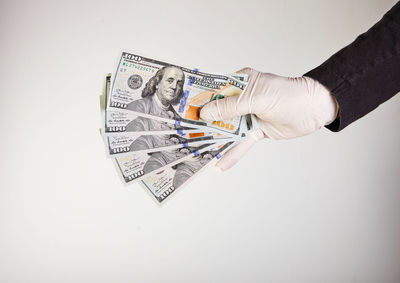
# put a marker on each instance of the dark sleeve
(365, 73)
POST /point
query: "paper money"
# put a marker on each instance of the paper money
(161, 184)
(173, 94)
(123, 121)
(116, 121)
(134, 167)
(155, 141)
(122, 143)
(119, 145)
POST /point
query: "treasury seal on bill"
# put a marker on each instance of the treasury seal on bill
(135, 81)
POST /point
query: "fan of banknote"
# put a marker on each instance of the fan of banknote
(151, 125)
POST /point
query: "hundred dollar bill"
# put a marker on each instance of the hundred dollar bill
(106, 91)
(134, 167)
(104, 98)
(120, 145)
(164, 92)
(116, 121)
(161, 184)
(122, 121)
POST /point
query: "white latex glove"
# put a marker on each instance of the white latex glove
(285, 108)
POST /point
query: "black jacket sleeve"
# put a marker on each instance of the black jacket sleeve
(365, 73)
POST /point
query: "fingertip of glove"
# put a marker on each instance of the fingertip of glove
(258, 134)
(218, 169)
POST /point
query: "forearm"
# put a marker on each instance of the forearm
(365, 73)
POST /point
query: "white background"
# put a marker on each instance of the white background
(323, 208)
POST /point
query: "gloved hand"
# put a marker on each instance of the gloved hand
(285, 108)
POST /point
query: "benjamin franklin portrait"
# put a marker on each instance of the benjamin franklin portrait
(161, 92)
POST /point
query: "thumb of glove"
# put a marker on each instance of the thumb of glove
(231, 106)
